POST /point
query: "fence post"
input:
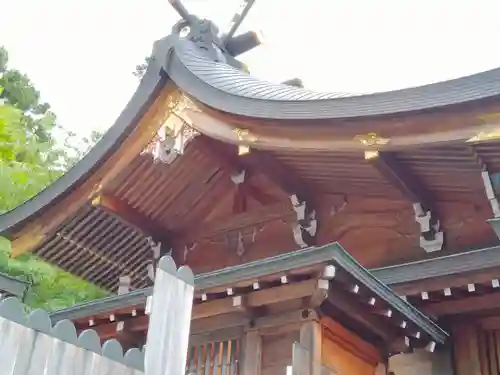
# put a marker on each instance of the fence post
(169, 320)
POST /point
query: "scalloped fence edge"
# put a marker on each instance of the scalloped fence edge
(38, 323)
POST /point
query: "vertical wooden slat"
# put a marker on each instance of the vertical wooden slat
(234, 357)
(207, 359)
(214, 358)
(213, 361)
(492, 353)
(201, 360)
(189, 364)
(225, 363)
(219, 358)
(482, 341)
(238, 355)
(496, 335)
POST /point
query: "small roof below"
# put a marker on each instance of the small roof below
(11, 286)
(355, 296)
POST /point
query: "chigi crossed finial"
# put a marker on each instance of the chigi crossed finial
(221, 46)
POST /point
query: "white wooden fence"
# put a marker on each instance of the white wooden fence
(30, 345)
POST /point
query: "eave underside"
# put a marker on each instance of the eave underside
(191, 205)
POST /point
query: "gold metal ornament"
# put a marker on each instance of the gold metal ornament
(245, 136)
(485, 136)
(371, 139)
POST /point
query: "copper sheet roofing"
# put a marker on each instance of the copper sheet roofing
(231, 90)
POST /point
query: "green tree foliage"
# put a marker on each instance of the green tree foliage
(31, 158)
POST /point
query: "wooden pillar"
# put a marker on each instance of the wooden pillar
(466, 353)
(421, 362)
(381, 369)
(252, 353)
(311, 339)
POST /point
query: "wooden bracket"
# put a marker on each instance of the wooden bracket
(431, 237)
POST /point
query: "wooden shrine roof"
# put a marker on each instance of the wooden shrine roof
(363, 302)
(359, 162)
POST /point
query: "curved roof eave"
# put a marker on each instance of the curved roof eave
(148, 90)
(227, 89)
(222, 87)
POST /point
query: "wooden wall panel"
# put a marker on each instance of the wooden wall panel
(376, 231)
(277, 352)
(346, 353)
(421, 362)
(344, 362)
(489, 351)
(475, 351)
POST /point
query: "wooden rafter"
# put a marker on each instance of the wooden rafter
(352, 308)
(256, 160)
(279, 174)
(402, 180)
(302, 199)
(131, 216)
(440, 283)
(229, 162)
(463, 305)
(108, 168)
(431, 238)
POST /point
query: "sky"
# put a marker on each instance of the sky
(81, 54)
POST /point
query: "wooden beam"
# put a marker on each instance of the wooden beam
(464, 305)
(360, 313)
(109, 330)
(450, 281)
(303, 200)
(387, 165)
(431, 238)
(490, 323)
(217, 307)
(240, 200)
(268, 324)
(260, 298)
(226, 156)
(218, 326)
(229, 162)
(220, 335)
(350, 341)
(279, 174)
(232, 311)
(130, 339)
(131, 216)
(238, 221)
(288, 292)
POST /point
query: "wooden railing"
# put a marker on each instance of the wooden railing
(216, 358)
